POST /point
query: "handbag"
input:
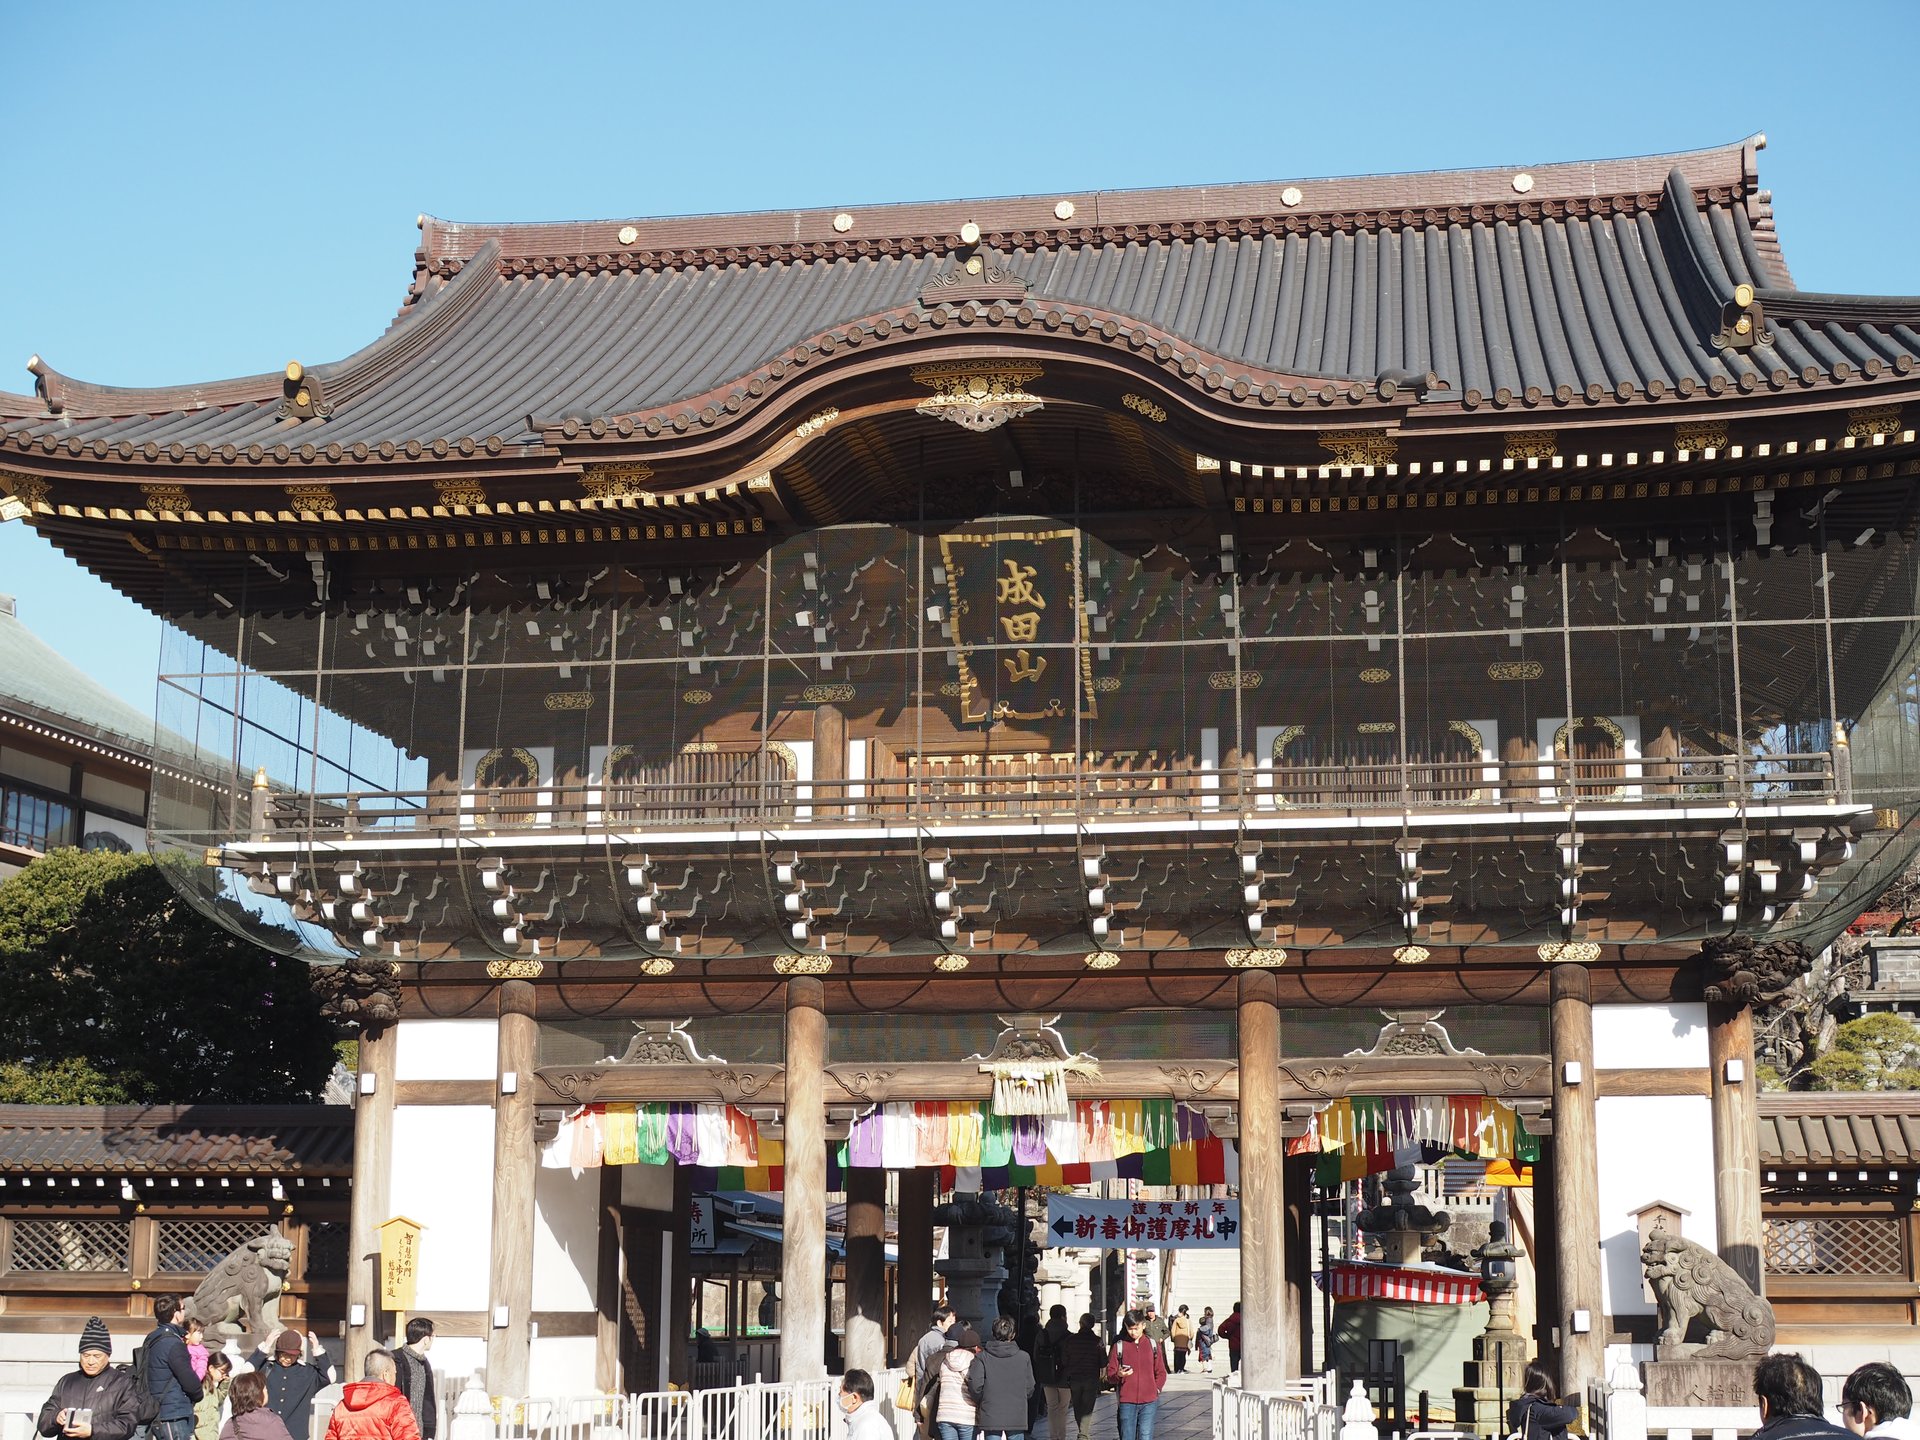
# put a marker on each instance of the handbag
(903, 1396)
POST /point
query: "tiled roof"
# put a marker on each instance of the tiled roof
(1572, 285)
(207, 1139)
(1878, 1130)
(35, 682)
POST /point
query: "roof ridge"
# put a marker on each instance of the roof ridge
(1723, 166)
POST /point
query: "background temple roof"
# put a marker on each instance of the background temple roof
(209, 1139)
(38, 684)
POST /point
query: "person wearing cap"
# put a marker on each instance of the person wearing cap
(99, 1401)
(170, 1378)
(292, 1383)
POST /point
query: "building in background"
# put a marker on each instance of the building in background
(76, 761)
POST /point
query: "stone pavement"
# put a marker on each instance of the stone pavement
(1186, 1412)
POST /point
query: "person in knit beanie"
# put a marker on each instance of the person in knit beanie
(99, 1401)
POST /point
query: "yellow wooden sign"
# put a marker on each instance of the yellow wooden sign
(399, 1262)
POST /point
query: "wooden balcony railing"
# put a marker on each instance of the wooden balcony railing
(960, 790)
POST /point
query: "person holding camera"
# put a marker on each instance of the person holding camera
(99, 1401)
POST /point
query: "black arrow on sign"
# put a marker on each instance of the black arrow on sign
(1063, 1227)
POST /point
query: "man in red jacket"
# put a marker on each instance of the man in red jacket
(1138, 1370)
(374, 1408)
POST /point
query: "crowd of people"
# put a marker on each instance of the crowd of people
(180, 1388)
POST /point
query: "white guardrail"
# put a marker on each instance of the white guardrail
(801, 1410)
(1301, 1410)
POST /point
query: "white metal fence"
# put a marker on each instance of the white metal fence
(1300, 1412)
(800, 1410)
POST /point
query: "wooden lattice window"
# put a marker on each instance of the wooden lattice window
(195, 1247)
(1834, 1245)
(69, 1247)
(327, 1250)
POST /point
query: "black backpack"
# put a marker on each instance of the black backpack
(146, 1405)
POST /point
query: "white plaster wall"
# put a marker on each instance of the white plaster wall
(566, 1239)
(1627, 1037)
(1651, 1147)
(457, 1356)
(561, 1365)
(650, 1187)
(447, 1050)
(442, 1172)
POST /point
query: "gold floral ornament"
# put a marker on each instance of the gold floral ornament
(1101, 960)
(1256, 957)
(1359, 447)
(1515, 670)
(24, 495)
(1700, 435)
(569, 700)
(826, 694)
(1232, 680)
(802, 964)
(1140, 405)
(656, 965)
(950, 963)
(1569, 952)
(1872, 420)
(318, 499)
(173, 498)
(1532, 444)
(514, 969)
(610, 484)
(978, 395)
(1412, 955)
(1375, 675)
(460, 494)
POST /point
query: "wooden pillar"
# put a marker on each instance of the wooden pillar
(803, 1242)
(914, 1275)
(1263, 1269)
(510, 1271)
(606, 1286)
(1736, 1139)
(676, 1326)
(1576, 1181)
(866, 1269)
(1298, 1179)
(830, 761)
(372, 1175)
(1546, 1248)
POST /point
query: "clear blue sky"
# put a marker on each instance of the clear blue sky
(210, 190)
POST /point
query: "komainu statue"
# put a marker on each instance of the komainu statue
(1692, 1284)
(242, 1295)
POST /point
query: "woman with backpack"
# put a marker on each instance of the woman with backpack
(1536, 1415)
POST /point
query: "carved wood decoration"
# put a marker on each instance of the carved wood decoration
(1414, 1033)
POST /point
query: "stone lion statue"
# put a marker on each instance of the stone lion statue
(1691, 1283)
(242, 1295)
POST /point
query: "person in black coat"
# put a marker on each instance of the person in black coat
(1792, 1406)
(1536, 1415)
(1001, 1383)
(99, 1401)
(291, 1385)
(170, 1375)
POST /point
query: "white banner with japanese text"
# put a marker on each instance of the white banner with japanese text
(1143, 1224)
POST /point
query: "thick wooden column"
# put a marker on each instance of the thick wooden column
(510, 1271)
(830, 761)
(913, 1277)
(606, 1286)
(866, 1269)
(372, 1189)
(676, 1326)
(803, 1244)
(1736, 1139)
(1576, 1180)
(1298, 1172)
(1263, 1268)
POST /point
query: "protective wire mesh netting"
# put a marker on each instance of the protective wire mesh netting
(68, 1246)
(1835, 1245)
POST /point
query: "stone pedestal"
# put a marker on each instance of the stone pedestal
(1699, 1382)
(978, 1232)
(1494, 1377)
